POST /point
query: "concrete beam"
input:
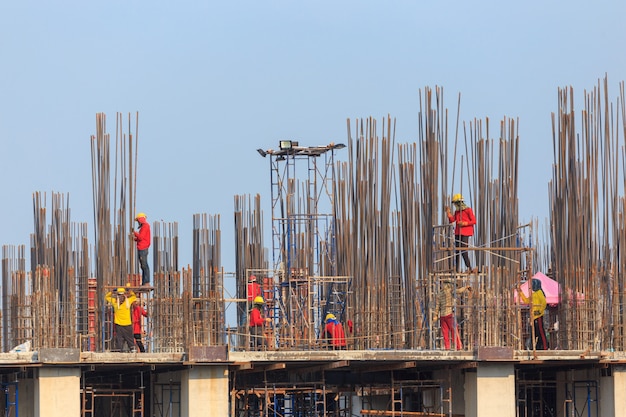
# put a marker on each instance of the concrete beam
(204, 391)
(59, 355)
(490, 391)
(57, 392)
(612, 389)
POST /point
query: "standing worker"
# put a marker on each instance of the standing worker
(122, 304)
(539, 304)
(142, 238)
(444, 311)
(138, 313)
(254, 289)
(256, 323)
(464, 221)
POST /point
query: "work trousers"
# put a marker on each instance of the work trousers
(461, 242)
(540, 334)
(124, 334)
(145, 268)
(448, 325)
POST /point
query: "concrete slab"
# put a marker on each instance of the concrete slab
(208, 354)
(59, 355)
(119, 357)
(18, 358)
(489, 353)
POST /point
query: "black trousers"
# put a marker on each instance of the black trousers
(540, 334)
(460, 243)
(145, 268)
(124, 334)
(139, 342)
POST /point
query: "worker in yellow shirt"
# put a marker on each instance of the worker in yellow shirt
(539, 304)
(122, 302)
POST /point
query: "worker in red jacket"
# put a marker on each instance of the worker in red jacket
(142, 239)
(334, 332)
(254, 289)
(256, 323)
(138, 313)
(464, 221)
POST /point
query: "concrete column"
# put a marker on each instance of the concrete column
(612, 389)
(204, 391)
(490, 391)
(57, 392)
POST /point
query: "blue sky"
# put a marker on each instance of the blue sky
(212, 82)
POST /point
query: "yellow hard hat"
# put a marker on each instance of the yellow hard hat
(258, 300)
(141, 215)
(121, 290)
(329, 316)
(456, 198)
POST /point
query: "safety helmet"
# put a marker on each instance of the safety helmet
(258, 300)
(121, 290)
(329, 316)
(456, 198)
(139, 215)
(252, 278)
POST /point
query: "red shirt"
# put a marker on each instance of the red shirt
(142, 236)
(137, 313)
(254, 289)
(467, 216)
(334, 331)
(255, 318)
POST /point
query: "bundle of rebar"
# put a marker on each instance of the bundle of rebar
(393, 236)
(206, 302)
(376, 254)
(586, 213)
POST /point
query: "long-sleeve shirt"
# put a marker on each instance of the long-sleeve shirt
(255, 318)
(121, 308)
(142, 236)
(538, 300)
(465, 216)
(137, 313)
(254, 290)
(445, 301)
(335, 333)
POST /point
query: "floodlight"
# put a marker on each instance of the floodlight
(285, 144)
(262, 152)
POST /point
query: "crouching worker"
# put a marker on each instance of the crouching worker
(256, 323)
(334, 333)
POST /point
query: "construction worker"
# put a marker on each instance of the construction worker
(142, 238)
(138, 313)
(122, 302)
(464, 221)
(444, 311)
(254, 289)
(539, 304)
(256, 323)
(334, 332)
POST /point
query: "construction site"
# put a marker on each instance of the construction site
(357, 231)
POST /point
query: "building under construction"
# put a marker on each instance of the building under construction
(358, 231)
